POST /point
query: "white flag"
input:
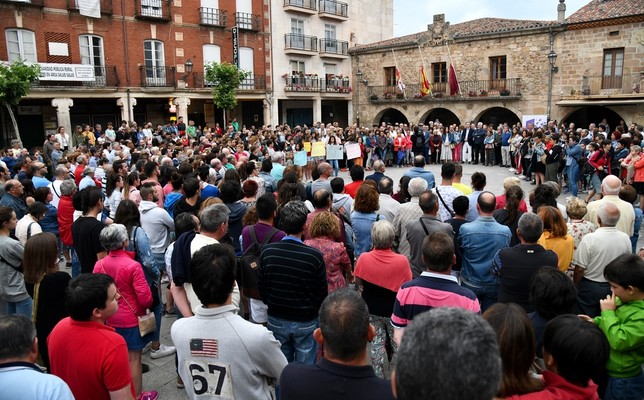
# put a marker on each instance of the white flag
(89, 8)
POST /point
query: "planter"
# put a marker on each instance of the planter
(373, 97)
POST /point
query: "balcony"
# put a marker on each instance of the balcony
(254, 83)
(334, 10)
(300, 44)
(157, 77)
(301, 83)
(609, 85)
(104, 77)
(213, 17)
(249, 22)
(499, 89)
(25, 3)
(152, 10)
(331, 48)
(301, 6)
(336, 84)
(106, 6)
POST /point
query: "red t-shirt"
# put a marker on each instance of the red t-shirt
(90, 357)
(352, 188)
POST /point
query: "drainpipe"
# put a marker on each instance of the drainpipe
(129, 107)
(127, 58)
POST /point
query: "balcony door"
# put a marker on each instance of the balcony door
(246, 63)
(331, 44)
(91, 52)
(154, 63)
(613, 69)
(21, 45)
(211, 53)
(498, 72)
(152, 8)
(297, 33)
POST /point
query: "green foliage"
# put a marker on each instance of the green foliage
(16, 80)
(225, 78)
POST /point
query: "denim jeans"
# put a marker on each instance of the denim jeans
(334, 165)
(573, 177)
(488, 295)
(76, 266)
(625, 388)
(296, 338)
(24, 307)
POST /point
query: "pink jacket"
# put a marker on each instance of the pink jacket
(130, 282)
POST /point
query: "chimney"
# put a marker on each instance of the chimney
(561, 12)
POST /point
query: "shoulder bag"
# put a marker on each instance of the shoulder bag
(449, 210)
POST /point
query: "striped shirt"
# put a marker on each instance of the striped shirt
(431, 290)
(292, 280)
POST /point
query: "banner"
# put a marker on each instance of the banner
(300, 158)
(89, 8)
(453, 82)
(334, 152)
(235, 31)
(318, 149)
(353, 151)
(66, 72)
(425, 86)
(537, 120)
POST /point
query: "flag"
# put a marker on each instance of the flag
(425, 86)
(204, 348)
(89, 8)
(399, 81)
(453, 82)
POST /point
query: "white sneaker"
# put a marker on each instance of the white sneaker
(146, 348)
(511, 170)
(162, 351)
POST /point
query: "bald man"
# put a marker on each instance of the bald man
(610, 191)
(13, 197)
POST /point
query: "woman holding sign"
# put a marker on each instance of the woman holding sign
(334, 163)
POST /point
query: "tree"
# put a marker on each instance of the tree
(225, 78)
(15, 82)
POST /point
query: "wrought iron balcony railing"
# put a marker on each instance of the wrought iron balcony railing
(610, 84)
(157, 76)
(249, 22)
(334, 8)
(469, 90)
(332, 46)
(213, 17)
(301, 42)
(304, 4)
(302, 83)
(154, 10)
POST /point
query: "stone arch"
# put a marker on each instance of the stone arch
(497, 115)
(445, 116)
(391, 116)
(583, 116)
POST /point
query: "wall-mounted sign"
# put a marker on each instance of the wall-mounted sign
(236, 46)
(66, 72)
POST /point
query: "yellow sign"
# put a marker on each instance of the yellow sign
(318, 150)
(307, 146)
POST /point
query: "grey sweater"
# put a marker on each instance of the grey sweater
(12, 283)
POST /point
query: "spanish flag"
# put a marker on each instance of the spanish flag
(425, 86)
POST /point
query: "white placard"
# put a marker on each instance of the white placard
(58, 49)
(66, 72)
(537, 120)
(353, 151)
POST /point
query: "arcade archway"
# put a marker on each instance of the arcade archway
(391, 116)
(583, 116)
(445, 116)
(497, 115)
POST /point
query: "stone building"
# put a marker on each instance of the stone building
(573, 69)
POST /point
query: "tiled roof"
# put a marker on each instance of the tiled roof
(606, 9)
(474, 27)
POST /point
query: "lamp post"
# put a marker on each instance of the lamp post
(359, 76)
(188, 66)
(552, 59)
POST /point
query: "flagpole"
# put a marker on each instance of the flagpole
(449, 55)
(396, 64)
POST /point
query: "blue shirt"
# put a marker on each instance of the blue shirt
(480, 240)
(39, 181)
(418, 172)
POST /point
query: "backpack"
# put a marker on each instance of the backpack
(249, 263)
(420, 141)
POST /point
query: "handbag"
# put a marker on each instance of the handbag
(147, 322)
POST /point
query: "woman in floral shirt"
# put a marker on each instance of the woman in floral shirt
(324, 227)
(577, 227)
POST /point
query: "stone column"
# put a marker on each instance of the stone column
(317, 110)
(127, 110)
(62, 113)
(266, 113)
(182, 111)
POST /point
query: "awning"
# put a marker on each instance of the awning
(600, 102)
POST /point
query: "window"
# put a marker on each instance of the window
(498, 68)
(613, 68)
(390, 76)
(297, 67)
(331, 45)
(152, 8)
(21, 45)
(91, 52)
(211, 52)
(439, 72)
(246, 63)
(154, 62)
(297, 33)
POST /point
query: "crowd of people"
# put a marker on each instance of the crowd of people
(274, 276)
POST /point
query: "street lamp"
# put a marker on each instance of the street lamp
(188, 67)
(552, 57)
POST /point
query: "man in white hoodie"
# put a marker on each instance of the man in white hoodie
(156, 222)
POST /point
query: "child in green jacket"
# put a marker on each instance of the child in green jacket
(622, 321)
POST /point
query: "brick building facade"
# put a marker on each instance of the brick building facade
(140, 51)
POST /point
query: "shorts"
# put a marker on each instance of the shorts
(133, 338)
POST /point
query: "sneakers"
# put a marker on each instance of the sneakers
(165, 279)
(180, 384)
(151, 395)
(162, 351)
